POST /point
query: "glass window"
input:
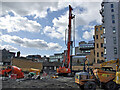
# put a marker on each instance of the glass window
(96, 29)
(101, 36)
(100, 28)
(96, 36)
(97, 54)
(113, 21)
(112, 6)
(113, 17)
(101, 44)
(101, 54)
(97, 45)
(115, 50)
(105, 40)
(112, 10)
(104, 30)
(114, 30)
(105, 51)
(114, 40)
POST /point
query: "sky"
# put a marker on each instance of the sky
(38, 27)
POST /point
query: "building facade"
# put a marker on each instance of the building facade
(99, 41)
(58, 57)
(84, 50)
(7, 56)
(110, 13)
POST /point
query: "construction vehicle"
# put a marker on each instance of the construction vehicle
(104, 77)
(66, 69)
(12, 70)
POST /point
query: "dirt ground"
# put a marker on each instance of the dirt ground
(45, 82)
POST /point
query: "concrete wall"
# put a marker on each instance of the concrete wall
(26, 64)
(109, 31)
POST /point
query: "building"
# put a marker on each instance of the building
(99, 41)
(58, 57)
(110, 13)
(7, 56)
(1, 63)
(26, 64)
(84, 49)
(36, 58)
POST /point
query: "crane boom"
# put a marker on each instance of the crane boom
(69, 36)
(67, 69)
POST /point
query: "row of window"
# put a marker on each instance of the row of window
(100, 36)
(115, 52)
(97, 28)
(101, 54)
(100, 44)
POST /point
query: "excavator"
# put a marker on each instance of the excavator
(12, 70)
(66, 69)
(104, 77)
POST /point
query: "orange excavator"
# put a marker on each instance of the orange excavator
(12, 70)
(66, 69)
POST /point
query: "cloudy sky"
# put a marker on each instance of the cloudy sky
(38, 27)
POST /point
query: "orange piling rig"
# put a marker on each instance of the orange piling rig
(62, 69)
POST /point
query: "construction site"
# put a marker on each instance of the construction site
(26, 73)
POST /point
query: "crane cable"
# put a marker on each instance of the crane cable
(74, 30)
(65, 36)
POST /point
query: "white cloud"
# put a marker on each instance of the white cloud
(51, 32)
(88, 35)
(29, 8)
(88, 14)
(17, 23)
(31, 43)
(8, 47)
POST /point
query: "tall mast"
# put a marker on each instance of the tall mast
(69, 37)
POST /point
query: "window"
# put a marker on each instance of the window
(112, 10)
(113, 21)
(114, 40)
(114, 30)
(115, 50)
(97, 54)
(96, 36)
(113, 17)
(101, 54)
(101, 45)
(104, 30)
(97, 45)
(105, 51)
(100, 28)
(96, 29)
(112, 6)
(101, 36)
(105, 40)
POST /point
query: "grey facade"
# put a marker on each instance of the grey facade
(110, 13)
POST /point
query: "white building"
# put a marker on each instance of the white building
(110, 13)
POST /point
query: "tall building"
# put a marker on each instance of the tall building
(110, 13)
(99, 41)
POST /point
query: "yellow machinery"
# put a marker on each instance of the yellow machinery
(104, 77)
(36, 71)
